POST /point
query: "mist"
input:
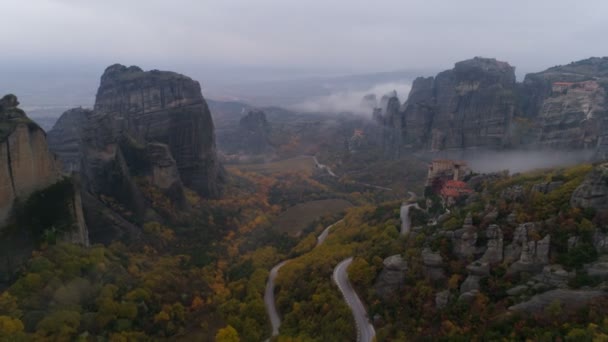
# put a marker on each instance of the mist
(520, 161)
(351, 100)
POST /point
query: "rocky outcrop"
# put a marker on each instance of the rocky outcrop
(433, 264)
(568, 104)
(593, 192)
(152, 126)
(65, 138)
(533, 256)
(465, 239)
(388, 115)
(392, 276)
(494, 251)
(26, 165)
(254, 133)
(163, 107)
(469, 106)
(50, 207)
(478, 104)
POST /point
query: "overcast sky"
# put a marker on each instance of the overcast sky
(350, 36)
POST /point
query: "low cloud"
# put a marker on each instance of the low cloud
(520, 161)
(351, 100)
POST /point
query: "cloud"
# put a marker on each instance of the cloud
(520, 161)
(350, 100)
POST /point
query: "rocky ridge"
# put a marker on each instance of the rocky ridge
(479, 104)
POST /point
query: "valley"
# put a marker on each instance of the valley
(159, 215)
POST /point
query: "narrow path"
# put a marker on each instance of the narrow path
(269, 298)
(365, 330)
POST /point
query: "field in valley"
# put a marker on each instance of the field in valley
(298, 217)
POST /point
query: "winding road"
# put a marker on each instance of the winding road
(365, 330)
(269, 298)
(270, 301)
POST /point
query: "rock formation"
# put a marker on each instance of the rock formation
(49, 206)
(478, 104)
(162, 107)
(433, 264)
(151, 126)
(593, 192)
(26, 165)
(392, 276)
(65, 137)
(471, 105)
(254, 132)
(387, 114)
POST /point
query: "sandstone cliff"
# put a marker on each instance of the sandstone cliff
(568, 105)
(469, 106)
(26, 165)
(478, 104)
(163, 107)
(36, 202)
(147, 129)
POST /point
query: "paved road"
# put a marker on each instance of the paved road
(269, 299)
(321, 238)
(365, 330)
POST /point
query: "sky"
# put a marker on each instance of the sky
(341, 36)
(53, 51)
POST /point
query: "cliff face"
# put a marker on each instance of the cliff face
(478, 104)
(49, 206)
(26, 165)
(568, 103)
(168, 108)
(471, 105)
(147, 128)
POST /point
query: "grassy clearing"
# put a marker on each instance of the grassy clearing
(298, 217)
(303, 164)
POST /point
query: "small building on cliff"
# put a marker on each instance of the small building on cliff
(445, 178)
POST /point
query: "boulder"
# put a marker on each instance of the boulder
(392, 276)
(517, 290)
(442, 299)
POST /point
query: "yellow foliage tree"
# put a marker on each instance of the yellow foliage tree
(227, 334)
